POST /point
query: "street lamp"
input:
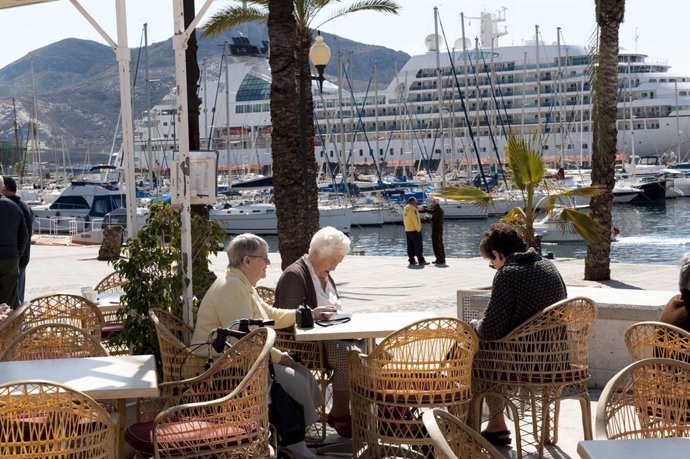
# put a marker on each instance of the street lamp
(319, 54)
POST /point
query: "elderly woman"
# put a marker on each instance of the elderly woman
(523, 285)
(308, 281)
(676, 310)
(233, 297)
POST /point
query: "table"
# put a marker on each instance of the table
(666, 448)
(115, 377)
(367, 326)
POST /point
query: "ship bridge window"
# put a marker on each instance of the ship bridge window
(69, 202)
(101, 206)
(253, 88)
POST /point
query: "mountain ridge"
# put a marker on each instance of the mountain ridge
(77, 85)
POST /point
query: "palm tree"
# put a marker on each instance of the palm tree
(294, 172)
(604, 84)
(526, 172)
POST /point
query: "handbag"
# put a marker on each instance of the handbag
(305, 317)
(285, 413)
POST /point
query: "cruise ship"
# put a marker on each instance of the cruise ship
(536, 89)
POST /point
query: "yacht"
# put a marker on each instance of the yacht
(261, 218)
(83, 204)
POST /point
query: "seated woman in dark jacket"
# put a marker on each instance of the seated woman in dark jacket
(308, 281)
(523, 285)
(676, 311)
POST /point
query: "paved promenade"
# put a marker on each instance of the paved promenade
(370, 284)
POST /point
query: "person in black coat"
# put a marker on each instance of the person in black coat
(437, 231)
(13, 241)
(10, 192)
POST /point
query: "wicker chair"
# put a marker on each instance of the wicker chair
(53, 341)
(11, 327)
(453, 439)
(425, 365)
(113, 282)
(221, 413)
(647, 340)
(313, 356)
(541, 362)
(267, 294)
(179, 362)
(47, 420)
(649, 398)
(67, 309)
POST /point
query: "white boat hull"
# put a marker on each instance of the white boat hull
(368, 216)
(462, 210)
(262, 219)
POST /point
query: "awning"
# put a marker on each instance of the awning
(13, 3)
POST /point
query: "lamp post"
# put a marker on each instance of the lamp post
(319, 54)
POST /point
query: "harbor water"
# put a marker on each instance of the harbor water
(650, 234)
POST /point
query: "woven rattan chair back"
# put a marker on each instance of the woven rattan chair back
(536, 365)
(11, 327)
(67, 309)
(42, 420)
(427, 364)
(223, 410)
(646, 340)
(649, 398)
(453, 439)
(179, 361)
(267, 294)
(53, 341)
(113, 282)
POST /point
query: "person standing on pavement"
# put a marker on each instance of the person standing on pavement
(413, 233)
(13, 241)
(437, 231)
(10, 192)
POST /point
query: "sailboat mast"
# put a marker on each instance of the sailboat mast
(149, 156)
(16, 140)
(37, 143)
(439, 84)
(226, 57)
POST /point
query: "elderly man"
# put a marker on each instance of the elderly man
(13, 241)
(10, 192)
(437, 230)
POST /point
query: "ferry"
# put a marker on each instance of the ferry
(536, 89)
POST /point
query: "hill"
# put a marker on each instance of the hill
(77, 87)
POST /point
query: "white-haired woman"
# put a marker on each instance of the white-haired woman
(233, 297)
(308, 281)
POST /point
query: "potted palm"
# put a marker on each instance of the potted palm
(526, 172)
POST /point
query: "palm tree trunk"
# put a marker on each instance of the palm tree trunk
(609, 14)
(288, 176)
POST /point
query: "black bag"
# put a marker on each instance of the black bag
(285, 414)
(305, 317)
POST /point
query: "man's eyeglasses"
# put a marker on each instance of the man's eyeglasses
(263, 257)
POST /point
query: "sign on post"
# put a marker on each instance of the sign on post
(203, 166)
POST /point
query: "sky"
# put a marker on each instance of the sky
(661, 26)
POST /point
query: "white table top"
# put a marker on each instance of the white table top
(114, 377)
(363, 325)
(666, 448)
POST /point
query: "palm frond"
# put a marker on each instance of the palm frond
(526, 166)
(232, 16)
(582, 224)
(381, 6)
(465, 193)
